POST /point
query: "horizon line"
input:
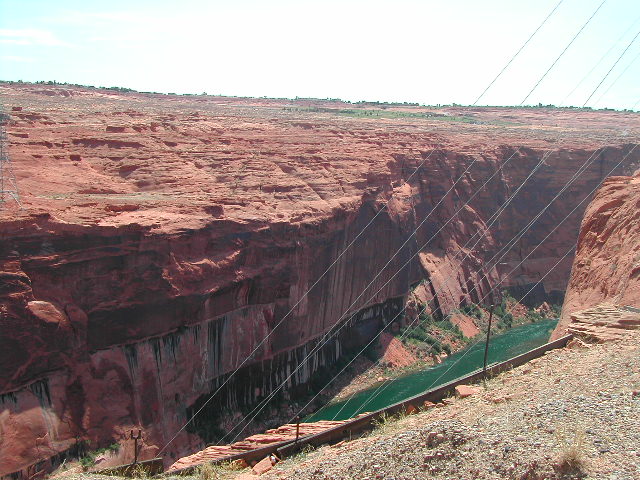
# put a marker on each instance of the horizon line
(327, 99)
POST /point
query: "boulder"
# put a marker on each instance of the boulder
(263, 466)
(411, 410)
(464, 391)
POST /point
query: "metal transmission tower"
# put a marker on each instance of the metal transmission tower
(8, 184)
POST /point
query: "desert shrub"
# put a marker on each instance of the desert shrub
(88, 461)
(472, 310)
(446, 324)
(571, 457)
(506, 321)
(533, 316)
(207, 471)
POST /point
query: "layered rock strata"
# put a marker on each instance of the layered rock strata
(167, 241)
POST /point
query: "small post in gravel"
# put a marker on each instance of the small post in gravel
(486, 347)
(135, 439)
(297, 427)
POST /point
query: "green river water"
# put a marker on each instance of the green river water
(514, 342)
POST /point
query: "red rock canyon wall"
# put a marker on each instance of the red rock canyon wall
(606, 268)
(164, 237)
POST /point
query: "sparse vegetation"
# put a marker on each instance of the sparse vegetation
(384, 112)
(208, 471)
(504, 319)
(571, 457)
(381, 105)
(89, 460)
(140, 472)
(386, 423)
(432, 336)
(217, 471)
(301, 455)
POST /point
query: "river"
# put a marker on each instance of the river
(502, 347)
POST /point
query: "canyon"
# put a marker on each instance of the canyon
(167, 241)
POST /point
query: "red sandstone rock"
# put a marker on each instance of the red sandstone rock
(606, 268)
(576, 343)
(394, 353)
(245, 476)
(466, 324)
(46, 312)
(241, 207)
(544, 309)
(411, 410)
(276, 435)
(464, 391)
(263, 466)
(240, 464)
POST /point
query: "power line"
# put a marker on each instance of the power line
(563, 52)
(612, 67)
(303, 296)
(599, 61)
(409, 328)
(316, 348)
(518, 52)
(353, 241)
(325, 336)
(530, 253)
(468, 349)
(271, 396)
(359, 296)
(582, 169)
(540, 243)
(618, 78)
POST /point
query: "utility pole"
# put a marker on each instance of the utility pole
(135, 445)
(486, 347)
(297, 427)
(8, 184)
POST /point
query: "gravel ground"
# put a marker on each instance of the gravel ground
(569, 414)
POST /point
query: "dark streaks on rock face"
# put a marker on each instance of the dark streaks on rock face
(306, 364)
(137, 279)
(41, 390)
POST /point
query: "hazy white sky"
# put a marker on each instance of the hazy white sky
(429, 51)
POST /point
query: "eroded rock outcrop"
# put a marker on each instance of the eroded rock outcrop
(603, 296)
(165, 237)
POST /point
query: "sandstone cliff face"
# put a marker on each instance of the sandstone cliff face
(606, 269)
(163, 238)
